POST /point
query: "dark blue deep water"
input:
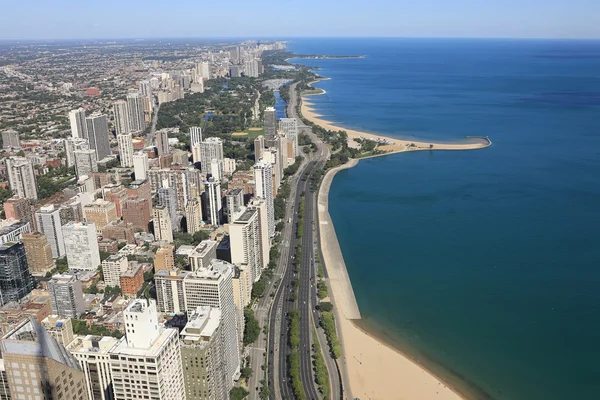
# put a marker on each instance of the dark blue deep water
(484, 265)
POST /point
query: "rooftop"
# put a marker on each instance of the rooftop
(246, 216)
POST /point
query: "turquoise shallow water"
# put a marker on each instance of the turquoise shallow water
(482, 264)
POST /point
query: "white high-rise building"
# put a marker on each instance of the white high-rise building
(251, 68)
(81, 245)
(113, 267)
(48, 222)
(212, 149)
(72, 144)
(145, 88)
(263, 181)
(146, 364)
(85, 162)
(213, 193)
(203, 355)
(163, 230)
(263, 227)
(78, 124)
(21, 177)
(270, 126)
(203, 70)
(195, 135)
(244, 239)
(126, 149)
(203, 254)
(234, 204)
(97, 131)
(135, 106)
(121, 113)
(140, 165)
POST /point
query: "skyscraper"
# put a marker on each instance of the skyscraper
(38, 252)
(162, 224)
(135, 107)
(259, 147)
(21, 177)
(48, 222)
(270, 126)
(263, 181)
(15, 279)
(81, 245)
(121, 113)
(145, 88)
(97, 131)
(203, 70)
(193, 215)
(72, 144)
(66, 295)
(162, 142)
(289, 128)
(85, 162)
(168, 198)
(213, 197)
(10, 139)
(212, 149)
(260, 205)
(126, 149)
(244, 239)
(203, 355)
(140, 165)
(251, 68)
(195, 135)
(78, 124)
(234, 203)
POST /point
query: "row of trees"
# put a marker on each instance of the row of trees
(294, 357)
(328, 324)
(321, 375)
(251, 328)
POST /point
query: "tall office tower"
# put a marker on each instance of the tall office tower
(244, 239)
(203, 254)
(19, 208)
(145, 88)
(81, 245)
(147, 362)
(212, 286)
(251, 68)
(162, 224)
(15, 279)
(100, 213)
(135, 106)
(113, 267)
(66, 295)
(78, 124)
(263, 181)
(97, 131)
(121, 112)
(10, 140)
(195, 135)
(162, 142)
(140, 165)
(263, 227)
(168, 198)
(259, 147)
(193, 215)
(137, 212)
(289, 127)
(164, 258)
(213, 194)
(203, 356)
(72, 144)
(92, 353)
(48, 222)
(21, 177)
(59, 328)
(40, 367)
(270, 126)
(38, 252)
(85, 162)
(234, 203)
(126, 149)
(212, 149)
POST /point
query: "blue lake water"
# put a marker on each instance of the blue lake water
(485, 265)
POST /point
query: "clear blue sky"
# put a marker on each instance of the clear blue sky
(57, 19)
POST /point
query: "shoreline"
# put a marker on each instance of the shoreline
(371, 365)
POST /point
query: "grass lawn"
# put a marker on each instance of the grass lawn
(251, 133)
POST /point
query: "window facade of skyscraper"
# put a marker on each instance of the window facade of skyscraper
(97, 135)
(81, 245)
(85, 162)
(78, 123)
(21, 177)
(263, 181)
(125, 149)
(270, 126)
(15, 279)
(48, 222)
(66, 295)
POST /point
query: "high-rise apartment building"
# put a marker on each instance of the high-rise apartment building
(289, 128)
(146, 364)
(10, 139)
(93, 355)
(234, 204)
(270, 126)
(260, 205)
(71, 145)
(145, 88)
(259, 147)
(193, 215)
(164, 258)
(19, 208)
(40, 367)
(21, 177)
(168, 198)
(251, 68)
(38, 252)
(81, 245)
(212, 149)
(100, 213)
(59, 328)
(15, 279)
(97, 135)
(121, 114)
(203, 356)
(213, 200)
(113, 267)
(244, 239)
(263, 181)
(125, 149)
(140, 165)
(78, 124)
(203, 254)
(195, 135)
(162, 142)
(162, 224)
(85, 162)
(137, 213)
(169, 290)
(48, 223)
(135, 106)
(66, 295)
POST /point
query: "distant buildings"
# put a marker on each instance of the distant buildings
(193, 215)
(78, 123)
(21, 177)
(289, 128)
(15, 278)
(162, 142)
(100, 213)
(211, 157)
(259, 147)
(135, 108)
(10, 140)
(121, 115)
(164, 258)
(66, 295)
